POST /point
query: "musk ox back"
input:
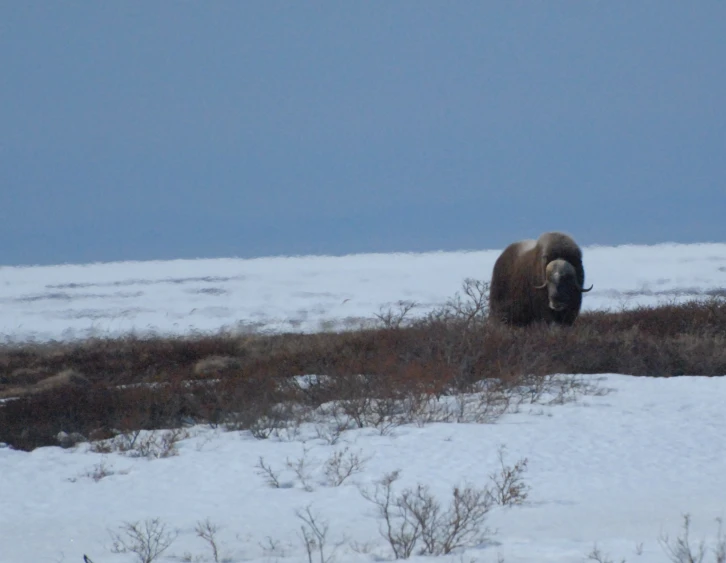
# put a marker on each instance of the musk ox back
(538, 280)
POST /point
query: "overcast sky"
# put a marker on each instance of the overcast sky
(154, 130)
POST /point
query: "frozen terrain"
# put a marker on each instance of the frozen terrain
(309, 293)
(617, 469)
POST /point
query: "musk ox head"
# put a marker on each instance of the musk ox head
(561, 284)
(538, 280)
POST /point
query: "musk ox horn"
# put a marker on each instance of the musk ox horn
(583, 290)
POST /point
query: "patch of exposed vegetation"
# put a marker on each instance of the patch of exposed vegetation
(365, 375)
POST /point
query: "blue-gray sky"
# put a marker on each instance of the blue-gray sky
(155, 130)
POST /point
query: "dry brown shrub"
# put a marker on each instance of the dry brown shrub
(223, 378)
(25, 376)
(66, 378)
(215, 365)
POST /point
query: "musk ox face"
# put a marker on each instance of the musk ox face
(562, 287)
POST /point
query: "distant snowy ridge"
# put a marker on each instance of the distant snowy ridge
(309, 293)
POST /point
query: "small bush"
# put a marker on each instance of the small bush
(147, 540)
(414, 518)
(342, 464)
(207, 531)
(153, 445)
(100, 471)
(314, 535)
(508, 483)
(681, 549)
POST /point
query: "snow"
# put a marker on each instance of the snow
(617, 469)
(309, 293)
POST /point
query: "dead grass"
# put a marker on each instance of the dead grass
(135, 383)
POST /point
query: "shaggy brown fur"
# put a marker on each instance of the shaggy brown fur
(554, 260)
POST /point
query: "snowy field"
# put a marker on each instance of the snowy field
(309, 293)
(617, 469)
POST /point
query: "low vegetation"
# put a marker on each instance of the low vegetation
(134, 396)
(681, 549)
(146, 540)
(401, 371)
(411, 522)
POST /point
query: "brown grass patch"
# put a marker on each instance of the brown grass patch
(149, 383)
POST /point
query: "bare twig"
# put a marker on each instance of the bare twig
(314, 534)
(272, 478)
(681, 550)
(208, 532)
(600, 557)
(301, 468)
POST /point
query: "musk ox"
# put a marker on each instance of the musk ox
(538, 280)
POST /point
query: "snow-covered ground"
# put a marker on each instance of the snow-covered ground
(309, 293)
(617, 469)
